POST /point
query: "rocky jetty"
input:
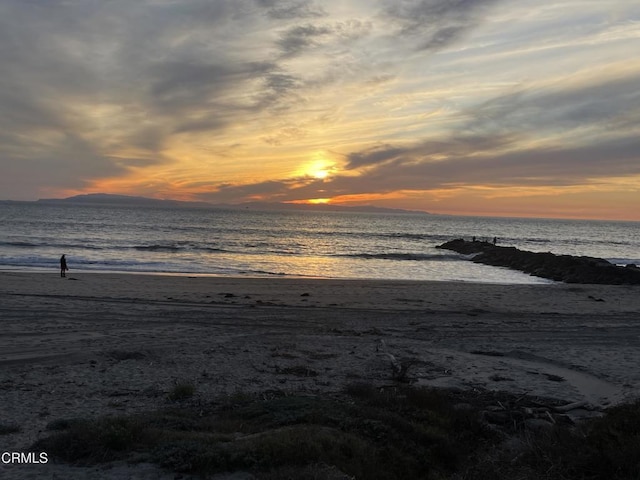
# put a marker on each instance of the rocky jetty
(561, 268)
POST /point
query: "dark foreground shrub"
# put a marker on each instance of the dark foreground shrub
(99, 440)
(605, 448)
(7, 428)
(394, 433)
(181, 391)
(369, 433)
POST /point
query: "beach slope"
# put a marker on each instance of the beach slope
(96, 344)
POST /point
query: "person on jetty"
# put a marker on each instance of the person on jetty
(63, 266)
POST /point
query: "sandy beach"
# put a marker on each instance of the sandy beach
(97, 344)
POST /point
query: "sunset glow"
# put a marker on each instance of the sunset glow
(495, 107)
(319, 168)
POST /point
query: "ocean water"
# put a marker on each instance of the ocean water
(33, 236)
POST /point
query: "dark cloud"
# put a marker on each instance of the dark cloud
(63, 163)
(432, 150)
(299, 38)
(604, 102)
(166, 66)
(118, 75)
(291, 10)
(434, 24)
(158, 64)
(180, 86)
(560, 166)
(595, 124)
(278, 89)
(374, 156)
(22, 112)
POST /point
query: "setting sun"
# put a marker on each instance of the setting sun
(319, 168)
(320, 174)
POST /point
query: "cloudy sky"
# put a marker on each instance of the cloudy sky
(482, 107)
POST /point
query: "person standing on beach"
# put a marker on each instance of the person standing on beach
(63, 266)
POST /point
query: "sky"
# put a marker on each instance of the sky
(471, 107)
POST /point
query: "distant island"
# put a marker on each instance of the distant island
(128, 200)
(110, 199)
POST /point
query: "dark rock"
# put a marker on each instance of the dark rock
(560, 268)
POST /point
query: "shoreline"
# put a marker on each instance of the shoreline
(94, 344)
(261, 276)
(525, 279)
(287, 291)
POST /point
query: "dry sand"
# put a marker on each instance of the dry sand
(96, 344)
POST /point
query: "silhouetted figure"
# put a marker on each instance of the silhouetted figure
(63, 266)
(494, 240)
(474, 239)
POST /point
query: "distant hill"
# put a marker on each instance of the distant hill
(110, 199)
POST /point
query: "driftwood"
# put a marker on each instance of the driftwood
(572, 406)
(530, 414)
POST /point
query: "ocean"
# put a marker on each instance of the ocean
(195, 241)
